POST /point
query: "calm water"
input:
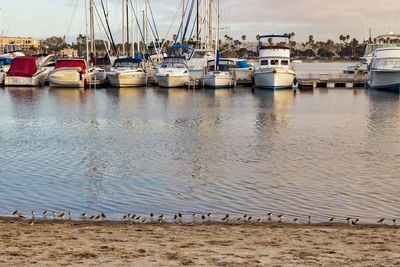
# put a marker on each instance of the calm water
(328, 152)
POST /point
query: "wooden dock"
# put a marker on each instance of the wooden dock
(329, 81)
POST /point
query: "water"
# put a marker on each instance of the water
(327, 152)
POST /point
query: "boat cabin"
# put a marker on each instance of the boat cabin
(183, 51)
(275, 52)
(173, 62)
(222, 65)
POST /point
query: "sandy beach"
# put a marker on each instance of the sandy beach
(118, 243)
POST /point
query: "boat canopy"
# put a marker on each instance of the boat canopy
(177, 62)
(223, 64)
(23, 67)
(5, 61)
(184, 51)
(71, 63)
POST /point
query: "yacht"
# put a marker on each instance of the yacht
(69, 73)
(274, 70)
(25, 71)
(242, 69)
(127, 72)
(385, 69)
(4, 67)
(219, 74)
(173, 72)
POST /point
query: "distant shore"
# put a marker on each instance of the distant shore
(217, 244)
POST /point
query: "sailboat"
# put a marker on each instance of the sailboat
(127, 71)
(219, 72)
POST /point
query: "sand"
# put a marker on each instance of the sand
(52, 243)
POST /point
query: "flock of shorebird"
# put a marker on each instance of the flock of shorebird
(179, 217)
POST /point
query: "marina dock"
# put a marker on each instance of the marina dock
(331, 81)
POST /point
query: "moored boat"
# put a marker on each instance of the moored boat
(219, 74)
(127, 72)
(274, 70)
(25, 71)
(385, 69)
(69, 73)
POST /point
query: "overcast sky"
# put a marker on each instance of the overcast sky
(322, 18)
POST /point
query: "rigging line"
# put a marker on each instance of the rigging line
(181, 26)
(154, 22)
(69, 24)
(170, 26)
(98, 18)
(138, 25)
(108, 27)
(188, 19)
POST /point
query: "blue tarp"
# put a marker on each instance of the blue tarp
(5, 61)
(242, 64)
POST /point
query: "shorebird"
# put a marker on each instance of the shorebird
(83, 214)
(61, 215)
(309, 219)
(97, 217)
(281, 217)
(44, 213)
(355, 221)
(144, 220)
(394, 221)
(245, 216)
(180, 215)
(295, 220)
(91, 217)
(132, 216)
(54, 214)
(203, 217)
(33, 214)
(103, 215)
(18, 214)
(161, 218)
(239, 219)
(125, 217)
(249, 218)
(69, 215)
(151, 216)
(15, 212)
(269, 214)
(209, 216)
(348, 219)
(259, 220)
(194, 216)
(381, 221)
(331, 219)
(175, 217)
(226, 218)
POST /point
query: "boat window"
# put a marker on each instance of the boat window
(274, 62)
(284, 62)
(264, 62)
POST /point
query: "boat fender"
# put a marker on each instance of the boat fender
(295, 81)
(274, 71)
(80, 76)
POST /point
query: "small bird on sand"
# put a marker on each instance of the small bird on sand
(103, 216)
(91, 217)
(151, 215)
(281, 217)
(245, 216)
(226, 218)
(331, 219)
(69, 215)
(97, 217)
(348, 219)
(161, 218)
(259, 220)
(381, 221)
(295, 220)
(239, 219)
(144, 220)
(194, 216)
(33, 214)
(15, 212)
(179, 215)
(132, 216)
(44, 213)
(62, 214)
(309, 219)
(209, 216)
(83, 214)
(394, 221)
(355, 222)
(125, 217)
(54, 214)
(175, 217)
(203, 217)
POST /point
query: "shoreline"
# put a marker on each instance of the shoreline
(63, 242)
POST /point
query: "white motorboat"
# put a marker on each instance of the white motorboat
(127, 72)
(25, 71)
(69, 73)
(385, 69)
(242, 69)
(4, 67)
(219, 74)
(173, 72)
(274, 70)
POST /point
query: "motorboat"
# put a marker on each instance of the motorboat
(127, 72)
(5, 64)
(385, 69)
(12, 51)
(274, 70)
(242, 69)
(25, 71)
(219, 74)
(173, 72)
(69, 73)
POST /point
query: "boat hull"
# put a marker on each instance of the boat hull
(385, 81)
(274, 79)
(170, 81)
(67, 78)
(37, 80)
(129, 79)
(216, 81)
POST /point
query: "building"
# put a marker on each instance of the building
(26, 43)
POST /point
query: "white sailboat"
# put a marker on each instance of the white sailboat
(219, 72)
(274, 72)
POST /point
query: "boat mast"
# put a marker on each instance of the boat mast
(127, 26)
(217, 39)
(92, 36)
(123, 27)
(209, 37)
(183, 20)
(197, 24)
(87, 31)
(108, 48)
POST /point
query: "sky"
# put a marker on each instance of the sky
(325, 19)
